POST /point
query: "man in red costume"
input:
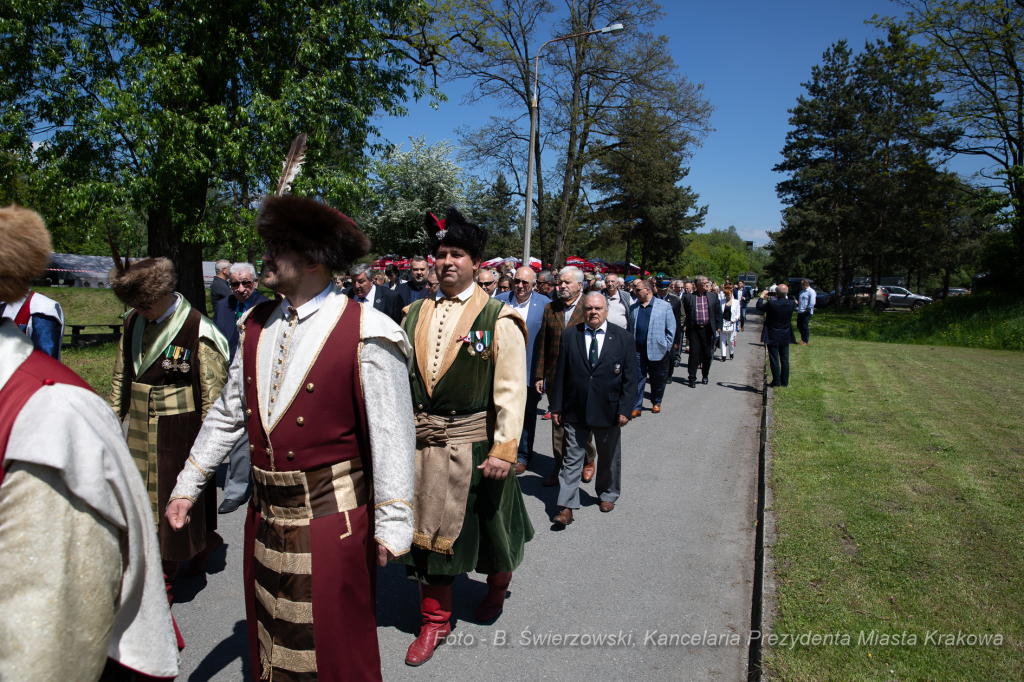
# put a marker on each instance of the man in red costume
(82, 588)
(320, 385)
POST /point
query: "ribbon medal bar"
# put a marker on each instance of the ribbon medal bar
(176, 358)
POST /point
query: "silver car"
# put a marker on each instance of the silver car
(902, 298)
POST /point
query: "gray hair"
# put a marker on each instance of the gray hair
(244, 267)
(576, 273)
(360, 269)
(596, 294)
(220, 265)
(700, 278)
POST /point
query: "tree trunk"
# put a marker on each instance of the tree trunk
(839, 269)
(168, 240)
(947, 273)
(875, 268)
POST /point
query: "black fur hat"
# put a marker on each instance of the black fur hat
(455, 231)
(314, 229)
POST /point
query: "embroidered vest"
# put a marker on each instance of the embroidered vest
(466, 388)
(326, 421)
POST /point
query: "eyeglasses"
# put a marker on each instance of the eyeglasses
(522, 281)
(486, 284)
(243, 283)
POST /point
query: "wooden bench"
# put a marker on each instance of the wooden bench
(80, 339)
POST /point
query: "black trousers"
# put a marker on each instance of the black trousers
(778, 360)
(702, 350)
(803, 323)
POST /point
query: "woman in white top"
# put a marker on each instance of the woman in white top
(730, 316)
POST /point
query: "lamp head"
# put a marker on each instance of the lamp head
(613, 29)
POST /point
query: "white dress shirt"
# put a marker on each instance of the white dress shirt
(522, 308)
(600, 333)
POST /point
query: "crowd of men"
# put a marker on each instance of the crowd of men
(365, 419)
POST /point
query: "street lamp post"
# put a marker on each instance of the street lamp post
(613, 29)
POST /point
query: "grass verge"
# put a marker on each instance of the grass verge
(898, 499)
(94, 364)
(993, 321)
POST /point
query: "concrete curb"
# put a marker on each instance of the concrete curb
(762, 601)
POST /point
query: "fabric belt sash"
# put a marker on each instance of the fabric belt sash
(287, 502)
(148, 404)
(444, 469)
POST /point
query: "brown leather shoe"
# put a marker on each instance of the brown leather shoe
(564, 517)
(551, 481)
(636, 413)
(519, 468)
(656, 409)
(607, 506)
(588, 472)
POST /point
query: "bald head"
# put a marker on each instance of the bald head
(522, 284)
(595, 309)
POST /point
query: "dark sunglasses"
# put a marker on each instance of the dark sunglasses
(521, 281)
(243, 283)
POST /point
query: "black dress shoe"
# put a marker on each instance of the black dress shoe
(704, 380)
(228, 506)
(691, 382)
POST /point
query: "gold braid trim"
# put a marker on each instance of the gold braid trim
(198, 468)
(440, 544)
(397, 500)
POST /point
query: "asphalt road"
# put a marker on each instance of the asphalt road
(674, 559)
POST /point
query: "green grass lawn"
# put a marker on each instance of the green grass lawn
(897, 474)
(993, 321)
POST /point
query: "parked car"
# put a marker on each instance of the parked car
(953, 291)
(860, 294)
(902, 298)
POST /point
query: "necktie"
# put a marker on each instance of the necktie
(593, 349)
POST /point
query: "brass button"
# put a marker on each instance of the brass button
(282, 346)
(290, 455)
(300, 421)
(248, 380)
(271, 398)
(252, 448)
(309, 388)
(286, 335)
(280, 361)
(419, 407)
(248, 413)
(453, 411)
(270, 450)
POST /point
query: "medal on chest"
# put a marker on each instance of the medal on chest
(176, 359)
(478, 343)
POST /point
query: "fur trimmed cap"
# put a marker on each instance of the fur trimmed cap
(312, 228)
(455, 231)
(24, 251)
(143, 281)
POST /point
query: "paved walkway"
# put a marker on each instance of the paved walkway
(675, 558)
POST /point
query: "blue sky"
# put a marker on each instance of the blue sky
(751, 57)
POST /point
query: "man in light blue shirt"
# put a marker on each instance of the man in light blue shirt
(805, 309)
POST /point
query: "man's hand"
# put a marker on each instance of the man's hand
(623, 420)
(675, 346)
(719, 331)
(556, 418)
(384, 555)
(177, 513)
(539, 386)
(495, 468)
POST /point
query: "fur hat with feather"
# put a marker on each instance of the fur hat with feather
(24, 251)
(455, 231)
(310, 227)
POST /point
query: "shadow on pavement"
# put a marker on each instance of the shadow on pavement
(235, 646)
(746, 388)
(398, 601)
(186, 589)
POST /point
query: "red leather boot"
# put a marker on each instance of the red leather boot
(436, 606)
(494, 601)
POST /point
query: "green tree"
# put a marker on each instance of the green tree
(170, 108)
(495, 210)
(404, 185)
(976, 51)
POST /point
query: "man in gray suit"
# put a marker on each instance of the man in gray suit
(594, 388)
(530, 306)
(654, 329)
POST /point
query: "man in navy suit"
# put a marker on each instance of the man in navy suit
(530, 306)
(595, 385)
(777, 332)
(365, 291)
(226, 312)
(412, 290)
